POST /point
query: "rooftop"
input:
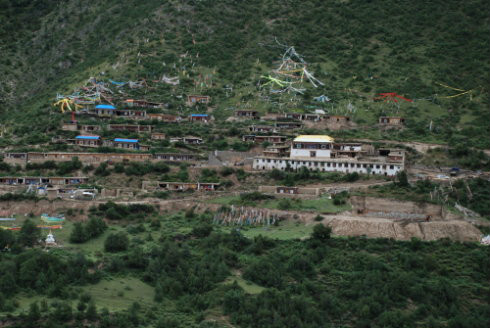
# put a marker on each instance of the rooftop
(105, 107)
(199, 115)
(125, 140)
(313, 138)
(88, 137)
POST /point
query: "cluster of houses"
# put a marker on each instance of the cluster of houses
(96, 141)
(292, 121)
(315, 152)
(23, 159)
(43, 180)
(110, 111)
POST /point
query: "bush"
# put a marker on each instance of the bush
(352, 177)
(102, 170)
(254, 197)
(284, 204)
(202, 230)
(318, 218)
(116, 242)
(321, 232)
(226, 171)
(340, 198)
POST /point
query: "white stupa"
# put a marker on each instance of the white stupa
(50, 241)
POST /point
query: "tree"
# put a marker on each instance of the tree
(34, 313)
(403, 179)
(78, 234)
(321, 232)
(91, 313)
(7, 238)
(116, 242)
(29, 233)
(7, 283)
(95, 227)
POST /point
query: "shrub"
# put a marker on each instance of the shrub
(226, 171)
(116, 242)
(202, 230)
(321, 232)
(318, 218)
(284, 204)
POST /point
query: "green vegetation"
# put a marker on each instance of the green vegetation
(322, 204)
(190, 272)
(304, 176)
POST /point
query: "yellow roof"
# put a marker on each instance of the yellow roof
(313, 138)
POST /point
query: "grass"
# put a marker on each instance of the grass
(120, 293)
(248, 287)
(286, 230)
(322, 204)
(115, 295)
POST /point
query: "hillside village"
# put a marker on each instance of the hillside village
(162, 186)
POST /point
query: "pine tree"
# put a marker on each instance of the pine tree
(29, 233)
(78, 235)
(91, 313)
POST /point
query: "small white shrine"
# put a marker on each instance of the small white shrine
(50, 241)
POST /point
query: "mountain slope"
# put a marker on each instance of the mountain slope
(370, 47)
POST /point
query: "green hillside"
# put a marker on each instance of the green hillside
(222, 48)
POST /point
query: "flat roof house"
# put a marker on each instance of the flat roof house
(88, 141)
(130, 127)
(262, 128)
(288, 125)
(391, 120)
(103, 110)
(127, 143)
(157, 136)
(170, 118)
(251, 114)
(197, 99)
(199, 118)
(308, 146)
(135, 114)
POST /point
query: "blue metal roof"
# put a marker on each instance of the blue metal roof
(125, 140)
(199, 115)
(88, 137)
(105, 107)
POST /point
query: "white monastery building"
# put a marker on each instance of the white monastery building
(321, 153)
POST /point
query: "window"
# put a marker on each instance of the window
(312, 153)
(391, 167)
(324, 146)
